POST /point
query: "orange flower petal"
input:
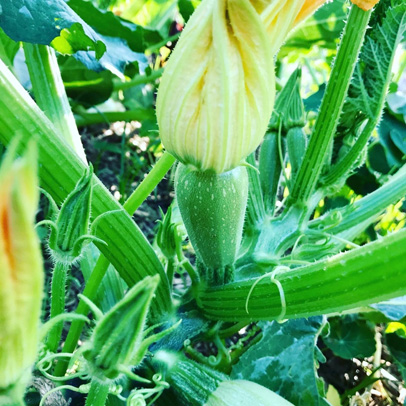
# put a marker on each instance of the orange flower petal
(365, 4)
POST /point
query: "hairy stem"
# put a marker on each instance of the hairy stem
(331, 106)
(58, 291)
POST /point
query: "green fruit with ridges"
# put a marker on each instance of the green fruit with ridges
(270, 170)
(213, 209)
(296, 140)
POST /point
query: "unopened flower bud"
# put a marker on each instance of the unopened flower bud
(21, 270)
(70, 231)
(217, 92)
(119, 334)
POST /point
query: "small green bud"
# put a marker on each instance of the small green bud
(296, 141)
(119, 335)
(289, 108)
(70, 231)
(21, 270)
(168, 238)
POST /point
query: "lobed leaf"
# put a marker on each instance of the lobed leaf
(285, 360)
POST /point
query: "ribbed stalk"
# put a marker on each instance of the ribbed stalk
(59, 170)
(363, 276)
(50, 93)
(331, 106)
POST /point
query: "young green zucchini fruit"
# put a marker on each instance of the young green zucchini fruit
(270, 169)
(296, 141)
(213, 209)
(197, 385)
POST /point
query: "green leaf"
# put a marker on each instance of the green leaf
(392, 134)
(351, 337)
(394, 309)
(396, 346)
(41, 21)
(55, 23)
(154, 14)
(377, 158)
(372, 72)
(108, 24)
(284, 361)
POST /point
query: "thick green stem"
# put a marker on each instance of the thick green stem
(170, 270)
(58, 291)
(50, 94)
(145, 188)
(363, 276)
(60, 169)
(149, 183)
(366, 210)
(331, 106)
(84, 119)
(98, 393)
(139, 80)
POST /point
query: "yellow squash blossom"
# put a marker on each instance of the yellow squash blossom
(21, 271)
(365, 4)
(216, 95)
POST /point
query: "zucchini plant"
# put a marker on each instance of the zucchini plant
(270, 252)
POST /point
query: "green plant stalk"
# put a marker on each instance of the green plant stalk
(84, 119)
(59, 170)
(342, 167)
(151, 181)
(366, 210)
(138, 80)
(356, 278)
(58, 292)
(98, 393)
(331, 107)
(143, 190)
(50, 93)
